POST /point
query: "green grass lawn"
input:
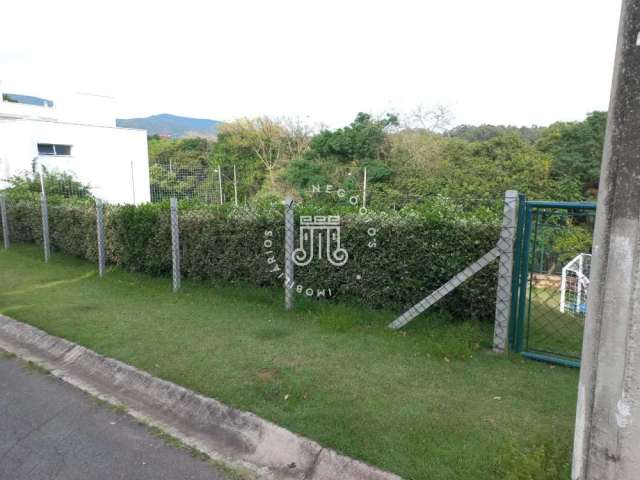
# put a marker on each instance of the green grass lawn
(430, 402)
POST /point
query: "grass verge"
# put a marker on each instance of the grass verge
(427, 402)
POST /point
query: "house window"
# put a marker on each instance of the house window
(54, 149)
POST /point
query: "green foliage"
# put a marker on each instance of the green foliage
(334, 155)
(234, 148)
(487, 169)
(58, 186)
(275, 157)
(363, 139)
(377, 171)
(24, 221)
(181, 168)
(571, 241)
(576, 149)
(480, 133)
(413, 157)
(135, 233)
(72, 229)
(303, 174)
(226, 244)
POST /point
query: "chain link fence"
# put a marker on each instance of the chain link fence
(203, 183)
(553, 279)
(405, 254)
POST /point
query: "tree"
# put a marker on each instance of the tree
(487, 169)
(363, 139)
(473, 133)
(576, 148)
(432, 119)
(333, 155)
(304, 174)
(263, 146)
(413, 157)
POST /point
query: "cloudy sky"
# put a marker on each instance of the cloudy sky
(493, 61)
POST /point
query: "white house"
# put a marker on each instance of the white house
(76, 134)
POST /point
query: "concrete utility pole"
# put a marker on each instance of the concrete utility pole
(607, 437)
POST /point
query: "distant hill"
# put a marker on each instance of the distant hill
(172, 125)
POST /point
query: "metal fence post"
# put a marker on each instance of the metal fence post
(289, 226)
(100, 232)
(220, 184)
(175, 244)
(506, 245)
(5, 221)
(45, 219)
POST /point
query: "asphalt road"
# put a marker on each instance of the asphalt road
(50, 430)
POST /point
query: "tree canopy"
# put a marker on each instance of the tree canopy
(576, 148)
(283, 156)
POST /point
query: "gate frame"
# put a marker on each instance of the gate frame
(521, 267)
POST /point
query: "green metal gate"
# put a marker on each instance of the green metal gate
(551, 279)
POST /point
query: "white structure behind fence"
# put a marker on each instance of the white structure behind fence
(78, 137)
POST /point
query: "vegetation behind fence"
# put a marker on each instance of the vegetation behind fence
(415, 253)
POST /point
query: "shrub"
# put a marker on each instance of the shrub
(414, 252)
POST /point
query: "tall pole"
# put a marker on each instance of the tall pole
(45, 217)
(133, 184)
(289, 226)
(364, 189)
(175, 243)
(100, 236)
(506, 244)
(5, 222)
(220, 183)
(607, 433)
(235, 185)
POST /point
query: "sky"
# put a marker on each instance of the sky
(518, 62)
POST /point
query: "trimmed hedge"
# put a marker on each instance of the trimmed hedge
(413, 255)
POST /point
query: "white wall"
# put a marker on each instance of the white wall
(113, 161)
(78, 107)
(86, 108)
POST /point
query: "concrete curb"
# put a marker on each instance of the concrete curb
(239, 438)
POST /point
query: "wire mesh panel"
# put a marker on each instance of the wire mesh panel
(555, 259)
(205, 183)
